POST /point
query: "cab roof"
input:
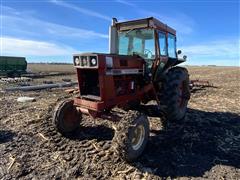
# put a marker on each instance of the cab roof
(149, 22)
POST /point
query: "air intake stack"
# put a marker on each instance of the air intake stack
(113, 37)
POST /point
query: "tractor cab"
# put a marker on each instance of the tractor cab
(137, 42)
(148, 38)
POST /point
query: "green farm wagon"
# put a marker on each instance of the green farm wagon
(12, 66)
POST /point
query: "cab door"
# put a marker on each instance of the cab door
(162, 39)
(163, 54)
(171, 41)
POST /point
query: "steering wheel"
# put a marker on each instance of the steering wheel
(147, 53)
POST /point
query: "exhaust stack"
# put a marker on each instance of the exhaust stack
(113, 37)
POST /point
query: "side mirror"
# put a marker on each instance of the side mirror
(179, 52)
(185, 57)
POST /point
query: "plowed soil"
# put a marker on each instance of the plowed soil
(206, 144)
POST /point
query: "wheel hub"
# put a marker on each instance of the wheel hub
(70, 117)
(138, 137)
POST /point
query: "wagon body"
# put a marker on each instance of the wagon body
(12, 65)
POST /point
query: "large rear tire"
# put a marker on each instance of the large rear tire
(131, 135)
(66, 117)
(175, 94)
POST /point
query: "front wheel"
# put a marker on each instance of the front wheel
(131, 135)
(66, 117)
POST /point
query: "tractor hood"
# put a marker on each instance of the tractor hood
(107, 61)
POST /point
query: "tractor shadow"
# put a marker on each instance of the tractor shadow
(193, 146)
(6, 136)
(98, 132)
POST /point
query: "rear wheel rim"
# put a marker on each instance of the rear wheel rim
(138, 137)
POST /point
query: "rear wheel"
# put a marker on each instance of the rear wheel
(66, 117)
(131, 136)
(175, 94)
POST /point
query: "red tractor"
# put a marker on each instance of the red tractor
(140, 67)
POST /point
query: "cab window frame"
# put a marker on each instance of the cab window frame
(130, 43)
(166, 43)
(175, 45)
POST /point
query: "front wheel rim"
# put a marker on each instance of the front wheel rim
(70, 117)
(138, 137)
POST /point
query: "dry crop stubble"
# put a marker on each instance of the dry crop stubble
(205, 145)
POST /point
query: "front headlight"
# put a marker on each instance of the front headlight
(84, 61)
(94, 61)
(77, 61)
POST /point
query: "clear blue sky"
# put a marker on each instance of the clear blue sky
(52, 30)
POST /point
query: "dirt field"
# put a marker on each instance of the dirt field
(50, 68)
(206, 145)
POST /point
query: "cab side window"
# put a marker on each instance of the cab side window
(171, 46)
(162, 43)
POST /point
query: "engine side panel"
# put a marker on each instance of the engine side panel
(116, 80)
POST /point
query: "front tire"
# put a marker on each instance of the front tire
(131, 136)
(66, 117)
(175, 94)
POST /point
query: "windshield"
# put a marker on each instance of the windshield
(137, 41)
